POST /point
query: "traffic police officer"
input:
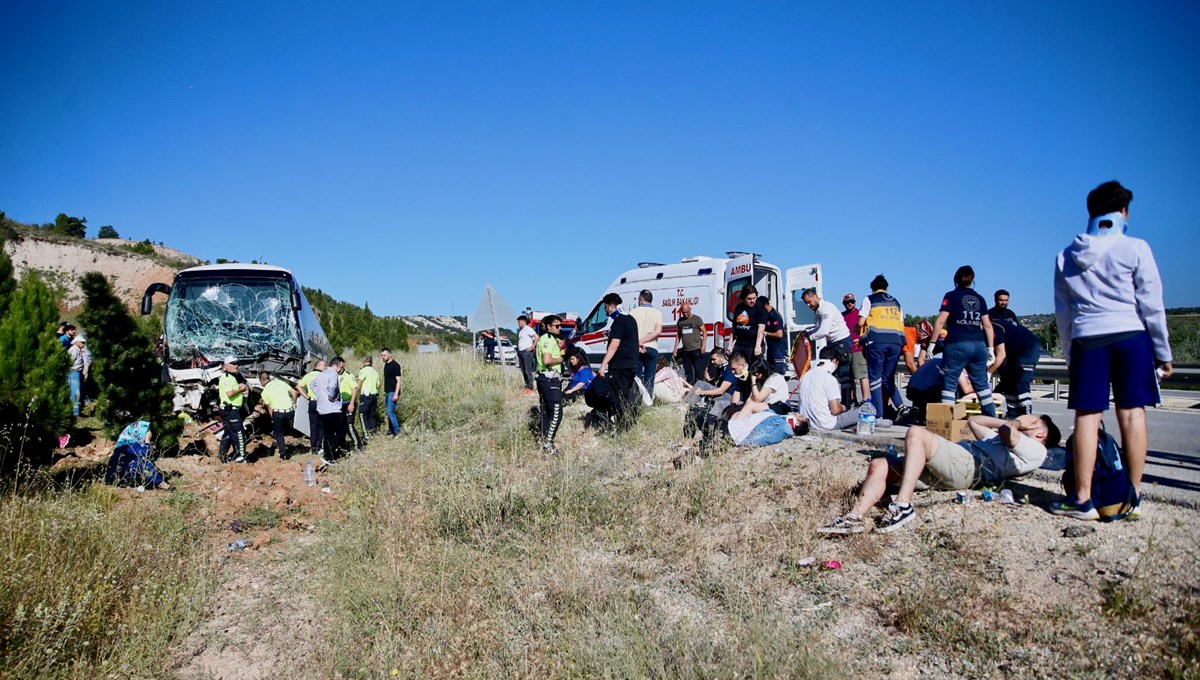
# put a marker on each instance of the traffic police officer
(232, 390)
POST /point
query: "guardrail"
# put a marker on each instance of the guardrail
(1055, 371)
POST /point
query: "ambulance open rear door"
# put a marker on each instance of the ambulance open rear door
(799, 316)
(739, 272)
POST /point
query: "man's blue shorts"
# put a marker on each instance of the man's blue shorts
(1126, 361)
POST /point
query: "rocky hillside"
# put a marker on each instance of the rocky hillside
(61, 260)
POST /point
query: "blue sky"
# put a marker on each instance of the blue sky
(407, 153)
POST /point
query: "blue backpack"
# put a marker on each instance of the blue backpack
(1112, 492)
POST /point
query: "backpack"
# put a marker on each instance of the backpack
(1112, 492)
(599, 395)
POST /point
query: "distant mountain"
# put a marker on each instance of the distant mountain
(441, 330)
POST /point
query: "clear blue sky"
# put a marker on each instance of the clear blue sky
(408, 153)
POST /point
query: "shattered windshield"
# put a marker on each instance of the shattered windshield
(213, 317)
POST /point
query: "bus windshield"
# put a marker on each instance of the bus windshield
(209, 318)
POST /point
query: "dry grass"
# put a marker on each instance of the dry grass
(94, 584)
(467, 552)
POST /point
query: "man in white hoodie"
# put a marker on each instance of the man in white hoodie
(1109, 308)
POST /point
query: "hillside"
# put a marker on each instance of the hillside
(133, 265)
(61, 260)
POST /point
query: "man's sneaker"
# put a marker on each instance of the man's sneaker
(322, 464)
(240, 459)
(1069, 508)
(549, 450)
(846, 524)
(897, 515)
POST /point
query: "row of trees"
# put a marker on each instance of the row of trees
(67, 225)
(35, 401)
(355, 328)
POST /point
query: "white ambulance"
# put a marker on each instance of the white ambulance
(712, 285)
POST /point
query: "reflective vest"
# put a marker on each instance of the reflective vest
(227, 384)
(305, 385)
(370, 381)
(278, 395)
(885, 321)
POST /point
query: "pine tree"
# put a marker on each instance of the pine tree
(7, 283)
(35, 404)
(126, 367)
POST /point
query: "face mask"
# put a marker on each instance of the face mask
(614, 313)
(742, 376)
(1118, 225)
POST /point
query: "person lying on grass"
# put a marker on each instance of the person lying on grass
(1004, 450)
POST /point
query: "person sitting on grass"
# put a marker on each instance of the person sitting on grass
(669, 387)
(768, 391)
(131, 463)
(719, 380)
(820, 395)
(582, 374)
(1004, 450)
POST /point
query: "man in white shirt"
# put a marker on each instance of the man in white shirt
(649, 324)
(820, 395)
(832, 327)
(526, 340)
(1005, 449)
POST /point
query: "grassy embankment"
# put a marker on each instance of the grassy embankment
(464, 551)
(96, 584)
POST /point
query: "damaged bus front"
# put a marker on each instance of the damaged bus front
(257, 313)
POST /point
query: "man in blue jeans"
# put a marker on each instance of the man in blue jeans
(392, 381)
(77, 356)
(649, 326)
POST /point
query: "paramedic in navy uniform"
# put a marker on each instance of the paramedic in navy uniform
(969, 340)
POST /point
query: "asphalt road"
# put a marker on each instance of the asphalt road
(1173, 462)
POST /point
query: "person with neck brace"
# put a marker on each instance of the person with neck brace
(1108, 304)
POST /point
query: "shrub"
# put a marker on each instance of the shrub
(126, 367)
(35, 405)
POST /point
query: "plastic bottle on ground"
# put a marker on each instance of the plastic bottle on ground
(866, 419)
(310, 475)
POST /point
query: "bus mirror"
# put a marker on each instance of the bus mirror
(148, 297)
(295, 300)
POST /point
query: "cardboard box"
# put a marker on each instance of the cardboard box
(945, 413)
(955, 430)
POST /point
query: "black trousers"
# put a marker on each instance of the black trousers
(550, 398)
(280, 421)
(366, 407)
(356, 439)
(333, 431)
(316, 433)
(693, 361)
(234, 434)
(625, 394)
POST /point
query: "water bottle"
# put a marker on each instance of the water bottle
(310, 475)
(236, 545)
(866, 419)
(892, 452)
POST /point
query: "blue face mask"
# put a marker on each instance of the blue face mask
(1107, 225)
(614, 313)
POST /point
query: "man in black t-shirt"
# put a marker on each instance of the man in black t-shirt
(1001, 310)
(392, 381)
(749, 325)
(621, 359)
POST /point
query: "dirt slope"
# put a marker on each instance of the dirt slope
(62, 261)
